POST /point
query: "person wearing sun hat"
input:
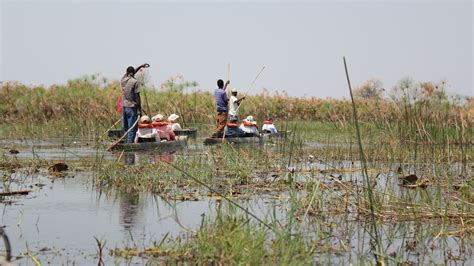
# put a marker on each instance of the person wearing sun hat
(146, 132)
(233, 130)
(172, 120)
(249, 126)
(269, 127)
(234, 104)
(163, 127)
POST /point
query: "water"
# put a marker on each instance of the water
(58, 220)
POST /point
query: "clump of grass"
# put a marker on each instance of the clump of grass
(229, 238)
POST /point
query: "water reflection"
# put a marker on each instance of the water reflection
(129, 207)
(137, 158)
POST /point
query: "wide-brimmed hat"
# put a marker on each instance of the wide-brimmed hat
(144, 119)
(173, 117)
(158, 117)
(249, 118)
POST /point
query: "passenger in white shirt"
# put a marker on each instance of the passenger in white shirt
(234, 104)
(172, 120)
(269, 127)
(146, 132)
(249, 126)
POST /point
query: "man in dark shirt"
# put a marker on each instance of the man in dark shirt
(131, 103)
(221, 106)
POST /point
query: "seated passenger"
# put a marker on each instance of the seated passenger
(163, 128)
(146, 132)
(268, 126)
(233, 130)
(172, 120)
(249, 126)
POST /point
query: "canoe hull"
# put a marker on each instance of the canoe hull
(244, 140)
(151, 146)
(190, 132)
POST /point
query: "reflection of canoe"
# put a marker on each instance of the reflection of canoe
(246, 140)
(191, 132)
(166, 145)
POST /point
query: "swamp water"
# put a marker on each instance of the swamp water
(57, 221)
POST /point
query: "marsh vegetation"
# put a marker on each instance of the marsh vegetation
(404, 194)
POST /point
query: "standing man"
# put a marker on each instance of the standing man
(131, 102)
(234, 104)
(221, 105)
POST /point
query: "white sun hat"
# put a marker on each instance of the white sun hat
(157, 117)
(173, 117)
(233, 90)
(249, 118)
(144, 119)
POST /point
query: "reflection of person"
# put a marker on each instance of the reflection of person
(221, 106)
(129, 158)
(131, 102)
(129, 204)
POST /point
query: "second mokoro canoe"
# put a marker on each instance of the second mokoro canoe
(242, 140)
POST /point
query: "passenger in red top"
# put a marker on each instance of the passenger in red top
(163, 128)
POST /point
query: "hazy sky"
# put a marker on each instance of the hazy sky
(300, 43)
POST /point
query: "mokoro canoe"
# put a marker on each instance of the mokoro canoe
(265, 137)
(190, 132)
(246, 140)
(149, 146)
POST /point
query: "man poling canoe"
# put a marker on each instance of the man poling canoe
(130, 101)
(221, 107)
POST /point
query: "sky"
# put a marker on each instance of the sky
(300, 43)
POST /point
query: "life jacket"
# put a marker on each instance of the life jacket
(159, 124)
(232, 125)
(266, 122)
(145, 126)
(248, 124)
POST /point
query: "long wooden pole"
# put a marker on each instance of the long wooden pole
(126, 133)
(225, 128)
(251, 85)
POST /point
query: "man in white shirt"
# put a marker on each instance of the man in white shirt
(234, 104)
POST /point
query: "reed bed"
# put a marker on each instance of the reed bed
(318, 207)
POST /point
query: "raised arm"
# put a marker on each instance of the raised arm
(146, 65)
(226, 84)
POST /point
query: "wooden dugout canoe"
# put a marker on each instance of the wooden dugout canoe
(150, 146)
(190, 132)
